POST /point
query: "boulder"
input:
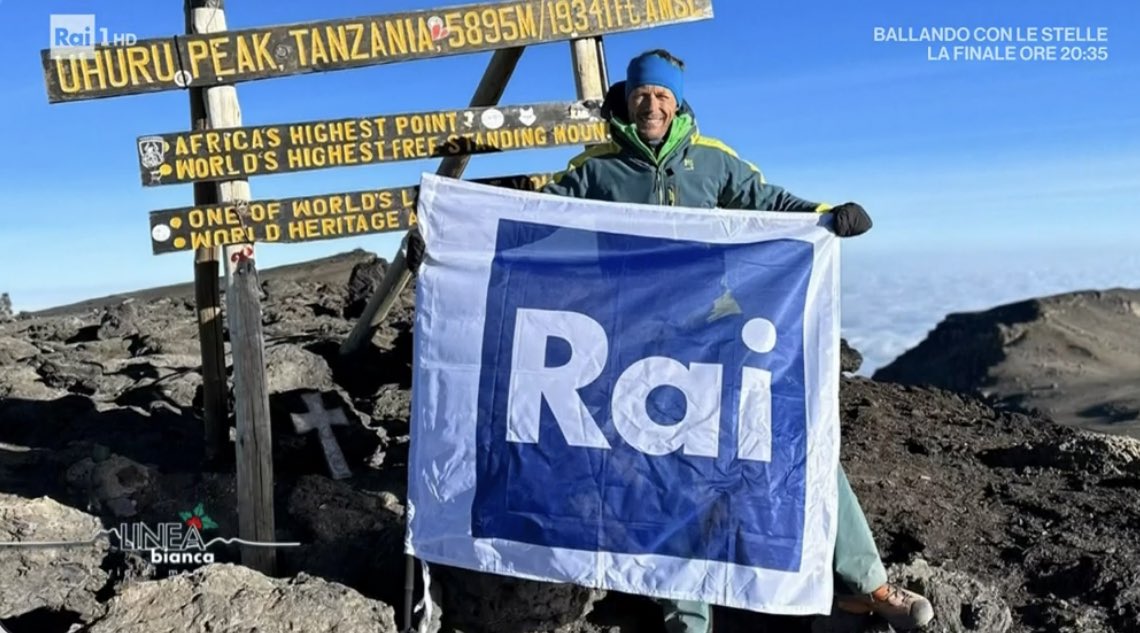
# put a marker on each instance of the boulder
(111, 483)
(14, 350)
(119, 321)
(236, 599)
(362, 284)
(63, 578)
(348, 535)
(290, 367)
(849, 358)
(475, 602)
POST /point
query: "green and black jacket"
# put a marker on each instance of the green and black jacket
(690, 170)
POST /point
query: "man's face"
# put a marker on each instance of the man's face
(652, 109)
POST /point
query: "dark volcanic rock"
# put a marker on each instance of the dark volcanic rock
(119, 321)
(488, 603)
(1072, 357)
(348, 535)
(849, 358)
(1006, 521)
(362, 284)
(1007, 498)
(62, 329)
(111, 483)
(71, 375)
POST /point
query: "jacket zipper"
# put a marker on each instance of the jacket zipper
(659, 182)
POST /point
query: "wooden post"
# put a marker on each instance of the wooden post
(586, 55)
(243, 311)
(207, 300)
(254, 440)
(396, 278)
(588, 58)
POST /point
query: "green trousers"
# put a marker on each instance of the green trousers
(857, 565)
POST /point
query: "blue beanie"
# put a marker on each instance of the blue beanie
(651, 69)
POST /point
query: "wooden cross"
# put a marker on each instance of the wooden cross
(322, 419)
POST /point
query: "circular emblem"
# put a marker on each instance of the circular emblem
(492, 119)
(183, 78)
(160, 233)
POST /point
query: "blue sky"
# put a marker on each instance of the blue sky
(999, 162)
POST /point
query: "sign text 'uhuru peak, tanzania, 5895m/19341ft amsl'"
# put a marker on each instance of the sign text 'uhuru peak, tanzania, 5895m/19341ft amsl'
(227, 57)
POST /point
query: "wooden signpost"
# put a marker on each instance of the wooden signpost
(207, 295)
(218, 155)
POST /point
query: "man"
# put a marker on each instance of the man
(657, 156)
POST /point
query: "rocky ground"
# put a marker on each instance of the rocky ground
(1007, 521)
(1073, 357)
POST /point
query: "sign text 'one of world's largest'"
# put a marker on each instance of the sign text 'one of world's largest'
(170, 63)
(302, 218)
(610, 389)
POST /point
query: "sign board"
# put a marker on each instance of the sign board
(236, 153)
(302, 219)
(174, 62)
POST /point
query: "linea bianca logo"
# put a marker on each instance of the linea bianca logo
(172, 543)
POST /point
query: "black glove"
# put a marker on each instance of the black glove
(414, 255)
(850, 220)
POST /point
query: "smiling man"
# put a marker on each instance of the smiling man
(658, 156)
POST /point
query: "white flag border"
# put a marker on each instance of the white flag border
(441, 456)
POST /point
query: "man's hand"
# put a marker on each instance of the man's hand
(415, 250)
(850, 220)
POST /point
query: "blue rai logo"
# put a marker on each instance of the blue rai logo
(644, 396)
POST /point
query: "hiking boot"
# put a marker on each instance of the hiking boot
(902, 609)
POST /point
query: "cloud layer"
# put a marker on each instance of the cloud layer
(891, 302)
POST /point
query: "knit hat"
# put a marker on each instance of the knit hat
(650, 69)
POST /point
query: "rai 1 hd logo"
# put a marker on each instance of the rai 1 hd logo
(75, 35)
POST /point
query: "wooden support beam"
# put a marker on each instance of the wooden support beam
(207, 300)
(396, 278)
(215, 412)
(586, 55)
(251, 404)
(243, 310)
(487, 93)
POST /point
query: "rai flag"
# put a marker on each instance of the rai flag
(627, 397)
